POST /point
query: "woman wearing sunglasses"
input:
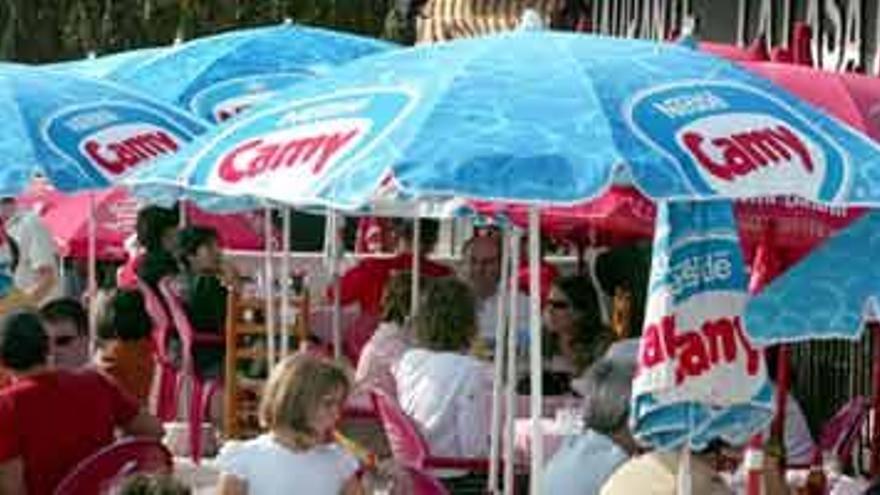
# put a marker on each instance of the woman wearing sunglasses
(574, 333)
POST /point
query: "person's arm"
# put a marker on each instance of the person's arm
(352, 487)
(44, 285)
(43, 258)
(12, 477)
(231, 485)
(144, 424)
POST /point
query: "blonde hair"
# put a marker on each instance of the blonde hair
(295, 387)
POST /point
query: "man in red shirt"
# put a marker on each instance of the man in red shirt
(364, 283)
(50, 420)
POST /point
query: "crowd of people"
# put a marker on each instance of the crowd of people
(435, 363)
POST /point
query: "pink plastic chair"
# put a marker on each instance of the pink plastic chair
(201, 390)
(422, 483)
(840, 433)
(408, 446)
(111, 464)
(166, 403)
(357, 335)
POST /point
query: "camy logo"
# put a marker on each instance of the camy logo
(303, 151)
(118, 149)
(759, 152)
(736, 140)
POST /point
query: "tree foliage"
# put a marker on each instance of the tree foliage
(49, 30)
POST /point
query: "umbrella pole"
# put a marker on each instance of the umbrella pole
(512, 337)
(874, 327)
(498, 375)
(537, 440)
(285, 285)
(93, 275)
(416, 268)
(333, 231)
(270, 290)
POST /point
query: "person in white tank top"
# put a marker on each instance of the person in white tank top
(300, 407)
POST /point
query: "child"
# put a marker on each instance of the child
(125, 349)
(299, 409)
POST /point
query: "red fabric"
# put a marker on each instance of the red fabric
(548, 273)
(126, 276)
(756, 52)
(54, 420)
(374, 236)
(67, 218)
(365, 282)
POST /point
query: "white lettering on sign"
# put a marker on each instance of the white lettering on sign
(700, 270)
(691, 104)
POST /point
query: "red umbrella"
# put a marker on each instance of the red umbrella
(67, 217)
(852, 98)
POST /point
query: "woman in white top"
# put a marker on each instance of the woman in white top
(439, 385)
(606, 442)
(300, 407)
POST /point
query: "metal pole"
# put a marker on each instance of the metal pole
(333, 222)
(269, 267)
(416, 268)
(498, 377)
(537, 440)
(285, 286)
(512, 337)
(93, 275)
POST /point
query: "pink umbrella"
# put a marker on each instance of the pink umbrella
(67, 217)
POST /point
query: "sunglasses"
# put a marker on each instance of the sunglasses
(558, 304)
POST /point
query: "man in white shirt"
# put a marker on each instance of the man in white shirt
(482, 255)
(37, 271)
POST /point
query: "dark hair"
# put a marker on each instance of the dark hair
(397, 297)
(190, 239)
(151, 484)
(592, 337)
(123, 316)
(23, 341)
(152, 222)
(66, 309)
(629, 268)
(447, 317)
(429, 231)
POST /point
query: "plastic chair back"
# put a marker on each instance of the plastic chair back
(166, 401)
(408, 446)
(201, 390)
(841, 431)
(103, 469)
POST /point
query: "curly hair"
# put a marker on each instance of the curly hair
(397, 297)
(447, 317)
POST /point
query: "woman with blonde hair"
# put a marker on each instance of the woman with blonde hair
(300, 407)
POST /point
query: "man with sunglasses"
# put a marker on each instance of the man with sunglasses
(66, 324)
